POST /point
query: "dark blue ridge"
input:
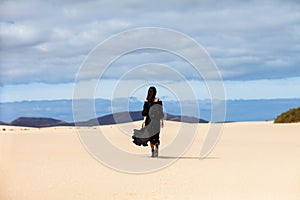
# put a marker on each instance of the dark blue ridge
(117, 118)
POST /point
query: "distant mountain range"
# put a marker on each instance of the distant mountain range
(117, 118)
(3, 123)
(236, 110)
(37, 122)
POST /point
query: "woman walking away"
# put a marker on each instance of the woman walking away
(153, 121)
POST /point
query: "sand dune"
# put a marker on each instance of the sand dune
(252, 160)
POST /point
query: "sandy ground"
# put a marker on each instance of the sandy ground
(253, 160)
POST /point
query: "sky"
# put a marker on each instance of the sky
(255, 45)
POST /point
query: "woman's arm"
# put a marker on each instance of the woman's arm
(144, 122)
(145, 109)
(145, 112)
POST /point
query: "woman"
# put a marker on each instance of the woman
(153, 120)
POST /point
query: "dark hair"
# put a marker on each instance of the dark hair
(151, 94)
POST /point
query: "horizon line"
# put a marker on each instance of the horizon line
(205, 99)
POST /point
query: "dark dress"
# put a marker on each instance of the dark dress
(154, 113)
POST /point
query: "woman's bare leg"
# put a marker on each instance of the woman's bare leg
(152, 149)
(152, 146)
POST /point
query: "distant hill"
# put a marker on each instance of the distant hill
(291, 116)
(117, 118)
(187, 119)
(3, 123)
(37, 122)
(125, 117)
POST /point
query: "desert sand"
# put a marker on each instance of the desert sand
(252, 160)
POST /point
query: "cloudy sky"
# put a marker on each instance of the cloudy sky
(254, 44)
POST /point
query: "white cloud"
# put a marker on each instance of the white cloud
(16, 35)
(46, 41)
